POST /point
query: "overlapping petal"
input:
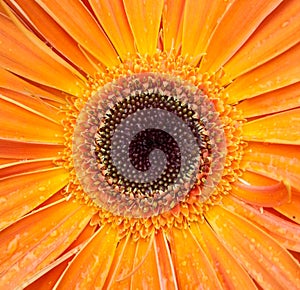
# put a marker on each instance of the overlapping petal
(263, 258)
(53, 33)
(275, 101)
(268, 77)
(196, 37)
(90, 267)
(33, 242)
(278, 128)
(279, 162)
(192, 266)
(27, 185)
(112, 16)
(29, 57)
(74, 17)
(144, 19)
(275, 35)
(234, 28)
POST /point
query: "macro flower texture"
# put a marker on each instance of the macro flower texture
(149, 144)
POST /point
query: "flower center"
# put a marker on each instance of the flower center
(143, 142)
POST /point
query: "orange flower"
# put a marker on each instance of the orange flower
(75, 213)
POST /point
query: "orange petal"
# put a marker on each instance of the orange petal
(173, 24)
(27, 56)
(164, 262)
(191, 264)
(272, 102)
(113, 19)
(53, 34)
(90, 267)
(263, 258)
(4, 161)
(229, 271)
(200, 20)
(260, 190)
(47, 278)
(146, 272)
(23, 166)
(22, 193)
(27, 126)
(80, 24)
(291, 209)
(277, 33)
(58, 196)
(277, 73)
(238, 23)
(287, 233)
(140, 269)
(39, 238)
(32, 104)
(2, 10)
(279, 162)
(122, 265)
(144, 18)
(281, 128)
(23, 150)
(15, 83)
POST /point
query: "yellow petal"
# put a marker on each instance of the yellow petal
(279, 162)
(231, 274)
(281, 71)
(276, 34)
(275, 101)
(27, 56)
(80, 24)
(281, 128)
(144, 18)
(22, 193)
(90, 267)
(38, 239)
(263, 258)
(239, 22)
(191, 264)
(113, 19)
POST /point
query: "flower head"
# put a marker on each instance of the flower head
(149, 144)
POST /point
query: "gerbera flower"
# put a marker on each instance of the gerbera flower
(149, 144)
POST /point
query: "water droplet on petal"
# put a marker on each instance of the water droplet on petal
(13, 245)
(53, 233)
(3, 200)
